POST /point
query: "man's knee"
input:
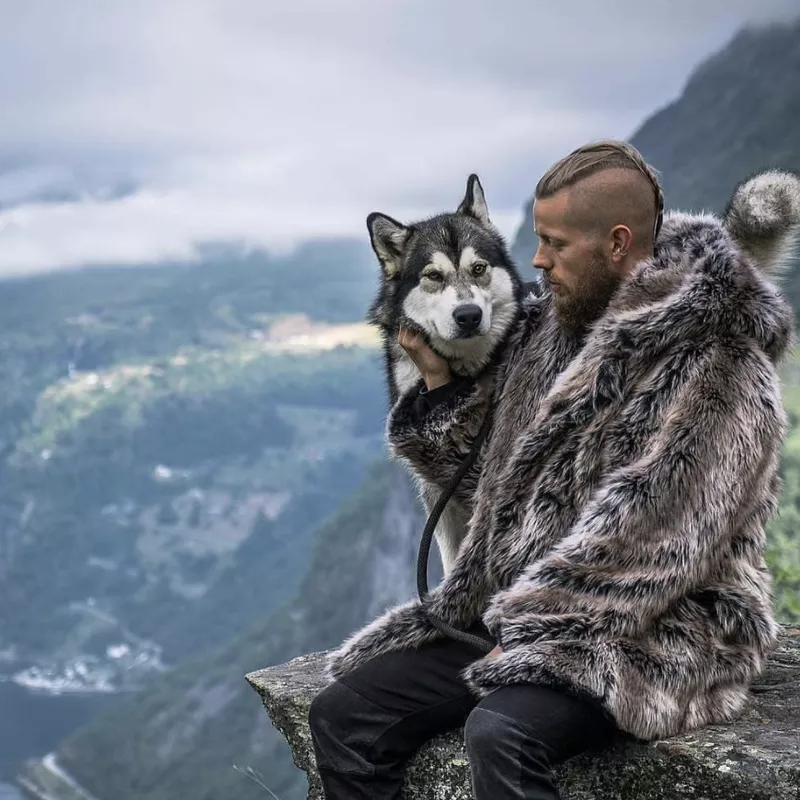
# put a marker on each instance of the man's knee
(328, 711)
(485, 731)
(339, 734)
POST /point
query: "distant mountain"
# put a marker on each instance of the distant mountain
(738, 114)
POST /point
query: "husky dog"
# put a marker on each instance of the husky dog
(449, 278)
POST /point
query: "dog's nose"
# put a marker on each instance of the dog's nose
(468, 316)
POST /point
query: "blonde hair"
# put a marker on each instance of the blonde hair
(596, 157)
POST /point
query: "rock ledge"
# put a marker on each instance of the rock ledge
(755, 758)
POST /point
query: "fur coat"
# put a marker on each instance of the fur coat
(616, 541)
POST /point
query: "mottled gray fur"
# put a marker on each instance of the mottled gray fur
(616, 540)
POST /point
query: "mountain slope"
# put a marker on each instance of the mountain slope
(183, 737)
(169, 439)
(164, 482)
(738, 114)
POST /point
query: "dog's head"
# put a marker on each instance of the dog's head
(450, 277)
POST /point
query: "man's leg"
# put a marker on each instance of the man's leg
(366, 726)
(517, 733)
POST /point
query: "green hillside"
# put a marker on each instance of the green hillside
(161, 424)
(188, 734)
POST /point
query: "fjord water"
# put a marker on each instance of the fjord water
(33, 723)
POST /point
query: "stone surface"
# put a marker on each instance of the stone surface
(757, 757)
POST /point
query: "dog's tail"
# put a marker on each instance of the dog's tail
(764, 218)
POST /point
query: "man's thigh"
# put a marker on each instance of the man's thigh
(387, 708)
(408, 681)
(563, 724)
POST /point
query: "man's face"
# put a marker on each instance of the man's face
(579, 273)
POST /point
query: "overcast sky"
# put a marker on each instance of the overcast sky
(273, 122)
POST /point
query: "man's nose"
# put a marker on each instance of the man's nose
(539, 260)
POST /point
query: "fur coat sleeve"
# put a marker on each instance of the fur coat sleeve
(655, 529)
(407, 620)
(436, 443)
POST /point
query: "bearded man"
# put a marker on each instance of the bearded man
(615, 550)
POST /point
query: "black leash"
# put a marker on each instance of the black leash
(427, 535)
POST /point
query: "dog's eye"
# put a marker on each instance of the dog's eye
(435, 276)
(479, 267)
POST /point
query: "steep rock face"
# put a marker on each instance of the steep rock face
(739, 113)
(755, 758)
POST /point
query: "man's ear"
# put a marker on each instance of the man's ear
(621, 243)
(474, 202)
(389, 238)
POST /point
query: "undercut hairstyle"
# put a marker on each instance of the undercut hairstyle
(600, 156)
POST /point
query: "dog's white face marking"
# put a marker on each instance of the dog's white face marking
(467, 257)
(440, 291)
(471, 355)
(432, 302)
(433, 310)
(501, 293)
(481, 292)
(442, 263)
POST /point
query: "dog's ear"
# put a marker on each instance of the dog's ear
(474, 202)
(389, 238)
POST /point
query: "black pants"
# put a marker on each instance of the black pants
(366, 726)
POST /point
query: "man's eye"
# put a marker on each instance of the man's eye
(479, 267)
(435, 276)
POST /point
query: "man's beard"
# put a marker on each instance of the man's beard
(578, 309)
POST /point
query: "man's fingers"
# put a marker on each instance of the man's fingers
(411, 342)
(435, 370)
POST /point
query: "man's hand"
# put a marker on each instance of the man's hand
(434, 369)
(496, 652)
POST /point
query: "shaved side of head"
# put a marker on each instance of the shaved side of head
(598, 203)
(608, 184)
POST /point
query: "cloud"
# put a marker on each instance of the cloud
(152, 126)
